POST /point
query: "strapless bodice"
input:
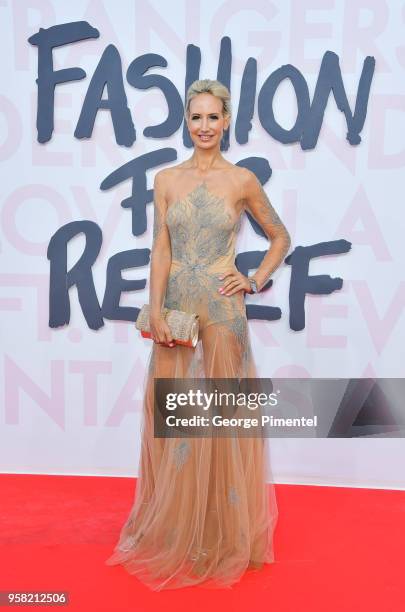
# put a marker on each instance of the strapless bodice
(202, 232)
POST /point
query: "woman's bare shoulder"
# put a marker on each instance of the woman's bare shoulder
(239, 173)
(240, 176)
(244, 174)
(166, 175)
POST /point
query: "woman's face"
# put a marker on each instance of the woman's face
(205, 121)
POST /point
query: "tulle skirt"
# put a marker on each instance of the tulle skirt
(205, 508)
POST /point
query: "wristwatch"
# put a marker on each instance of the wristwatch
(253, 285)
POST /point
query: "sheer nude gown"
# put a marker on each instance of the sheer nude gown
(203, 509)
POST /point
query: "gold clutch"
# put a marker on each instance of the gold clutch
(184, 326)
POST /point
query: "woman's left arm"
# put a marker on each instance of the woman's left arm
(258, 204)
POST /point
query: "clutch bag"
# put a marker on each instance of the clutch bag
(184, 326)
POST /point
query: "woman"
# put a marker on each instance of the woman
(202, 512)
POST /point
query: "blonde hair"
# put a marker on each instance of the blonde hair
(216, 88)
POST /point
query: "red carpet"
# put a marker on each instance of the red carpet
(336, 549)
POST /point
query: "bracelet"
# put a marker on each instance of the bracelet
(253, 284)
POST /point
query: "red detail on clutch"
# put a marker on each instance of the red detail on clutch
(146, 334)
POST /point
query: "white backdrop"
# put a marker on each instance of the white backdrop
(71, 396)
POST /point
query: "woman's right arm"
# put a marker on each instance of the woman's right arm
(161, 255)
(161, 258)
